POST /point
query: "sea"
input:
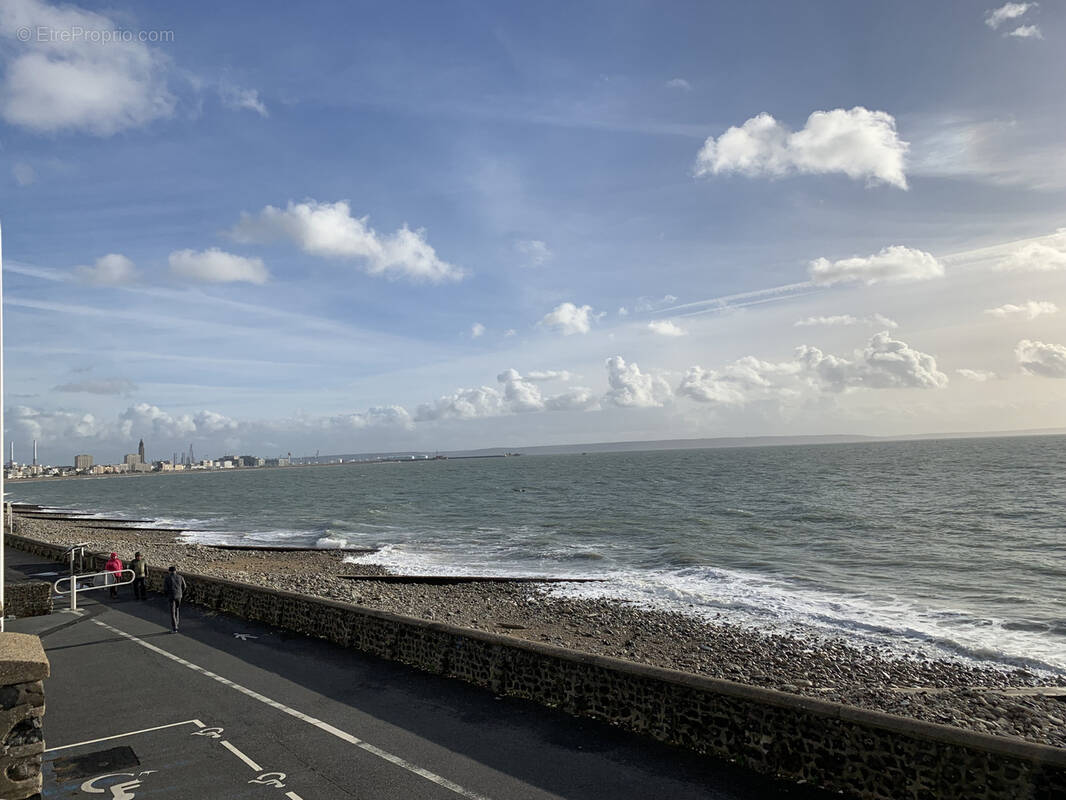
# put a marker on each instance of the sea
(950, 548)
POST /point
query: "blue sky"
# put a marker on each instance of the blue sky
(349, 227)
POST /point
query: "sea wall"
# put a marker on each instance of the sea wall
(23, 667)
(28, 599)
(862, 753)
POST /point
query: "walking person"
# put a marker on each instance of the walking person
(113, 568)
(140, 573)
(174, 589)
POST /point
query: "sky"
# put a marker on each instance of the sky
(358, 227)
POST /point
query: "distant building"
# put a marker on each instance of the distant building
(248, 461)
(140, 450)
(130, 459)
(83, 463)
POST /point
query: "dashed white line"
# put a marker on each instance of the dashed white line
(195, 722)
(241, 756)
(292, 712)
(293, 796)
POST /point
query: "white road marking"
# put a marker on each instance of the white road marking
(131, 733)
(241, 756)
(292, 712)
(293, 796)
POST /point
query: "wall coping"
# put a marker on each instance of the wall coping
(22, 659)
(1012, 746)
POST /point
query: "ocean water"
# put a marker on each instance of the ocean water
(955, 548)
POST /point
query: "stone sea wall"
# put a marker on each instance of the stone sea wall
(23, 667)
(862, 753)
(28, 599)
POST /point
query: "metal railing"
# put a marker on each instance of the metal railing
(107, 584)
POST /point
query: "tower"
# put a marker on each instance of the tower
(35, 452)
(140, 450)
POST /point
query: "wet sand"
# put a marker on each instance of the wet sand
(942, 691)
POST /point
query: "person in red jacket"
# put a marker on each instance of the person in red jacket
(113, 567)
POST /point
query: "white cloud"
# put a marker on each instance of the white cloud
(534, 252)
(679, 83)
(100, 82)
(976, 375)
(1031, 309)
(541, 375)
(623, 311)
(665, 328)
(507, 334)
(739, 383)
(837, 320)
(114, 269)
(144, 420)
(1027, 32)
(568, 319)
(217, 266)
(1039, 358)
(857, 142)
(896, 264)
(996, 17)
(476, 330)
(329, 230)
(24, 173)
(631, 388)
(376, 417)
(238, 99)
(885, 363)
(484, 401)
(99, 386)
(520, 394)
(1047, 255)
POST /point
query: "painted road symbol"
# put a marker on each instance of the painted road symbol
(210, 733)
(119, 791)
(244, 637)
(270, 779)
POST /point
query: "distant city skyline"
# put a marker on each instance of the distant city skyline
(332, 229)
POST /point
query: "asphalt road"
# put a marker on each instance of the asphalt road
(230, 709)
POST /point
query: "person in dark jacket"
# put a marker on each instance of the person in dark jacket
(140, 573)
(174, 589)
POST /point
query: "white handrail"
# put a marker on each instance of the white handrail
(73, 590)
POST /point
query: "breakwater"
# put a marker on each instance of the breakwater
(860, 752)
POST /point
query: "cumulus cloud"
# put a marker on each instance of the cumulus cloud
(665, 328)
(114, 269)
(540, 375)
(741, 382)
(24, 173)
(1046, 255)
(858, 143)
(1039, 358)
(837, 320)
(1027, 32)
(996, 17)
(568, 319)
(217, 266)
(631, 388)
(483, 401)
(679, 83)
(329, 230)
(100, 83)
(144, 419)
(1031, 309)
(976, 375)
(885, 363)
(27, 423)
(533, 251)
(476, 330)
(896, 264)
(237, 99)
(99, 386)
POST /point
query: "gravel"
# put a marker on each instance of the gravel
(912, 685)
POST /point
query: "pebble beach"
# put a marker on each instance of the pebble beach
(983, 699)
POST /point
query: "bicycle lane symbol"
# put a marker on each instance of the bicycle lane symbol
(119, 791)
